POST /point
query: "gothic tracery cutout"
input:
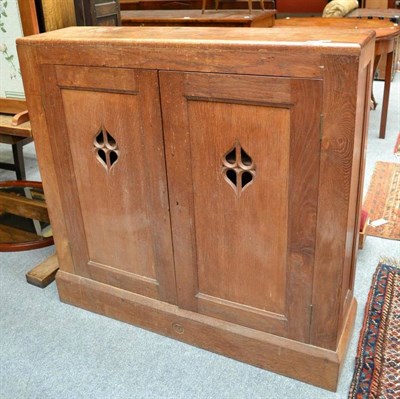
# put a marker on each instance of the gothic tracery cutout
(238, 168)
(106, 148)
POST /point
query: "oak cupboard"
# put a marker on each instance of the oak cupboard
(205, 183)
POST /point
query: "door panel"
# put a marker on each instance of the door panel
(243, 156)
(236, 251)
(112, 129)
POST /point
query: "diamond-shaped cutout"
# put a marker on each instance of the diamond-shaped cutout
(238, 168)
(106, 148)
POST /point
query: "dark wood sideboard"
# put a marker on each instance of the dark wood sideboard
(206, 183)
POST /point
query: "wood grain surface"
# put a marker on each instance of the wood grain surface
(57, 14)
(224, 18)
(7, 127)
(44, 273)
(384, 29)
(191, 5)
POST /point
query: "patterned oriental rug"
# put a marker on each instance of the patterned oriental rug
(377, 368)
(383, 200)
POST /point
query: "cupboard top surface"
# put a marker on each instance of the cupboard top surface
(305, 40)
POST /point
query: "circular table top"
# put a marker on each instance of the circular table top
(24, 221)
(384, 29)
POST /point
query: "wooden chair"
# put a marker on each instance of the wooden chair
(15, 130)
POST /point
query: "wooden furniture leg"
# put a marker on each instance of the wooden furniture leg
(250, 3)
(204, 5)
(386, 93)
(19, 163)
(44, 273)
(376, 62)
(15, 130)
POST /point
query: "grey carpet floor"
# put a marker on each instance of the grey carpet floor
(53, 350)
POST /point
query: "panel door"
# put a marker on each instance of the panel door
(243, 159)
(108, 147)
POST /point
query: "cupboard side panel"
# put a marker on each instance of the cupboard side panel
(361, 131)
(336, 168)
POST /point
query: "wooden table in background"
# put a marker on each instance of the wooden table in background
(190, 4)
(389, 14)
(386, 34)
(223, 18)
(15, 130)
(392, 14)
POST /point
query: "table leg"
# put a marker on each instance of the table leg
(386, 92)
(376, 62)
(19, 160)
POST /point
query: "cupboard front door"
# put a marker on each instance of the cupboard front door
(107, 137)
(243, 159)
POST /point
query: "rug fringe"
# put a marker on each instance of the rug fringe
(387, 260)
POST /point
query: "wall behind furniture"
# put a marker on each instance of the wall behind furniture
(310, 6)
(10, 29)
